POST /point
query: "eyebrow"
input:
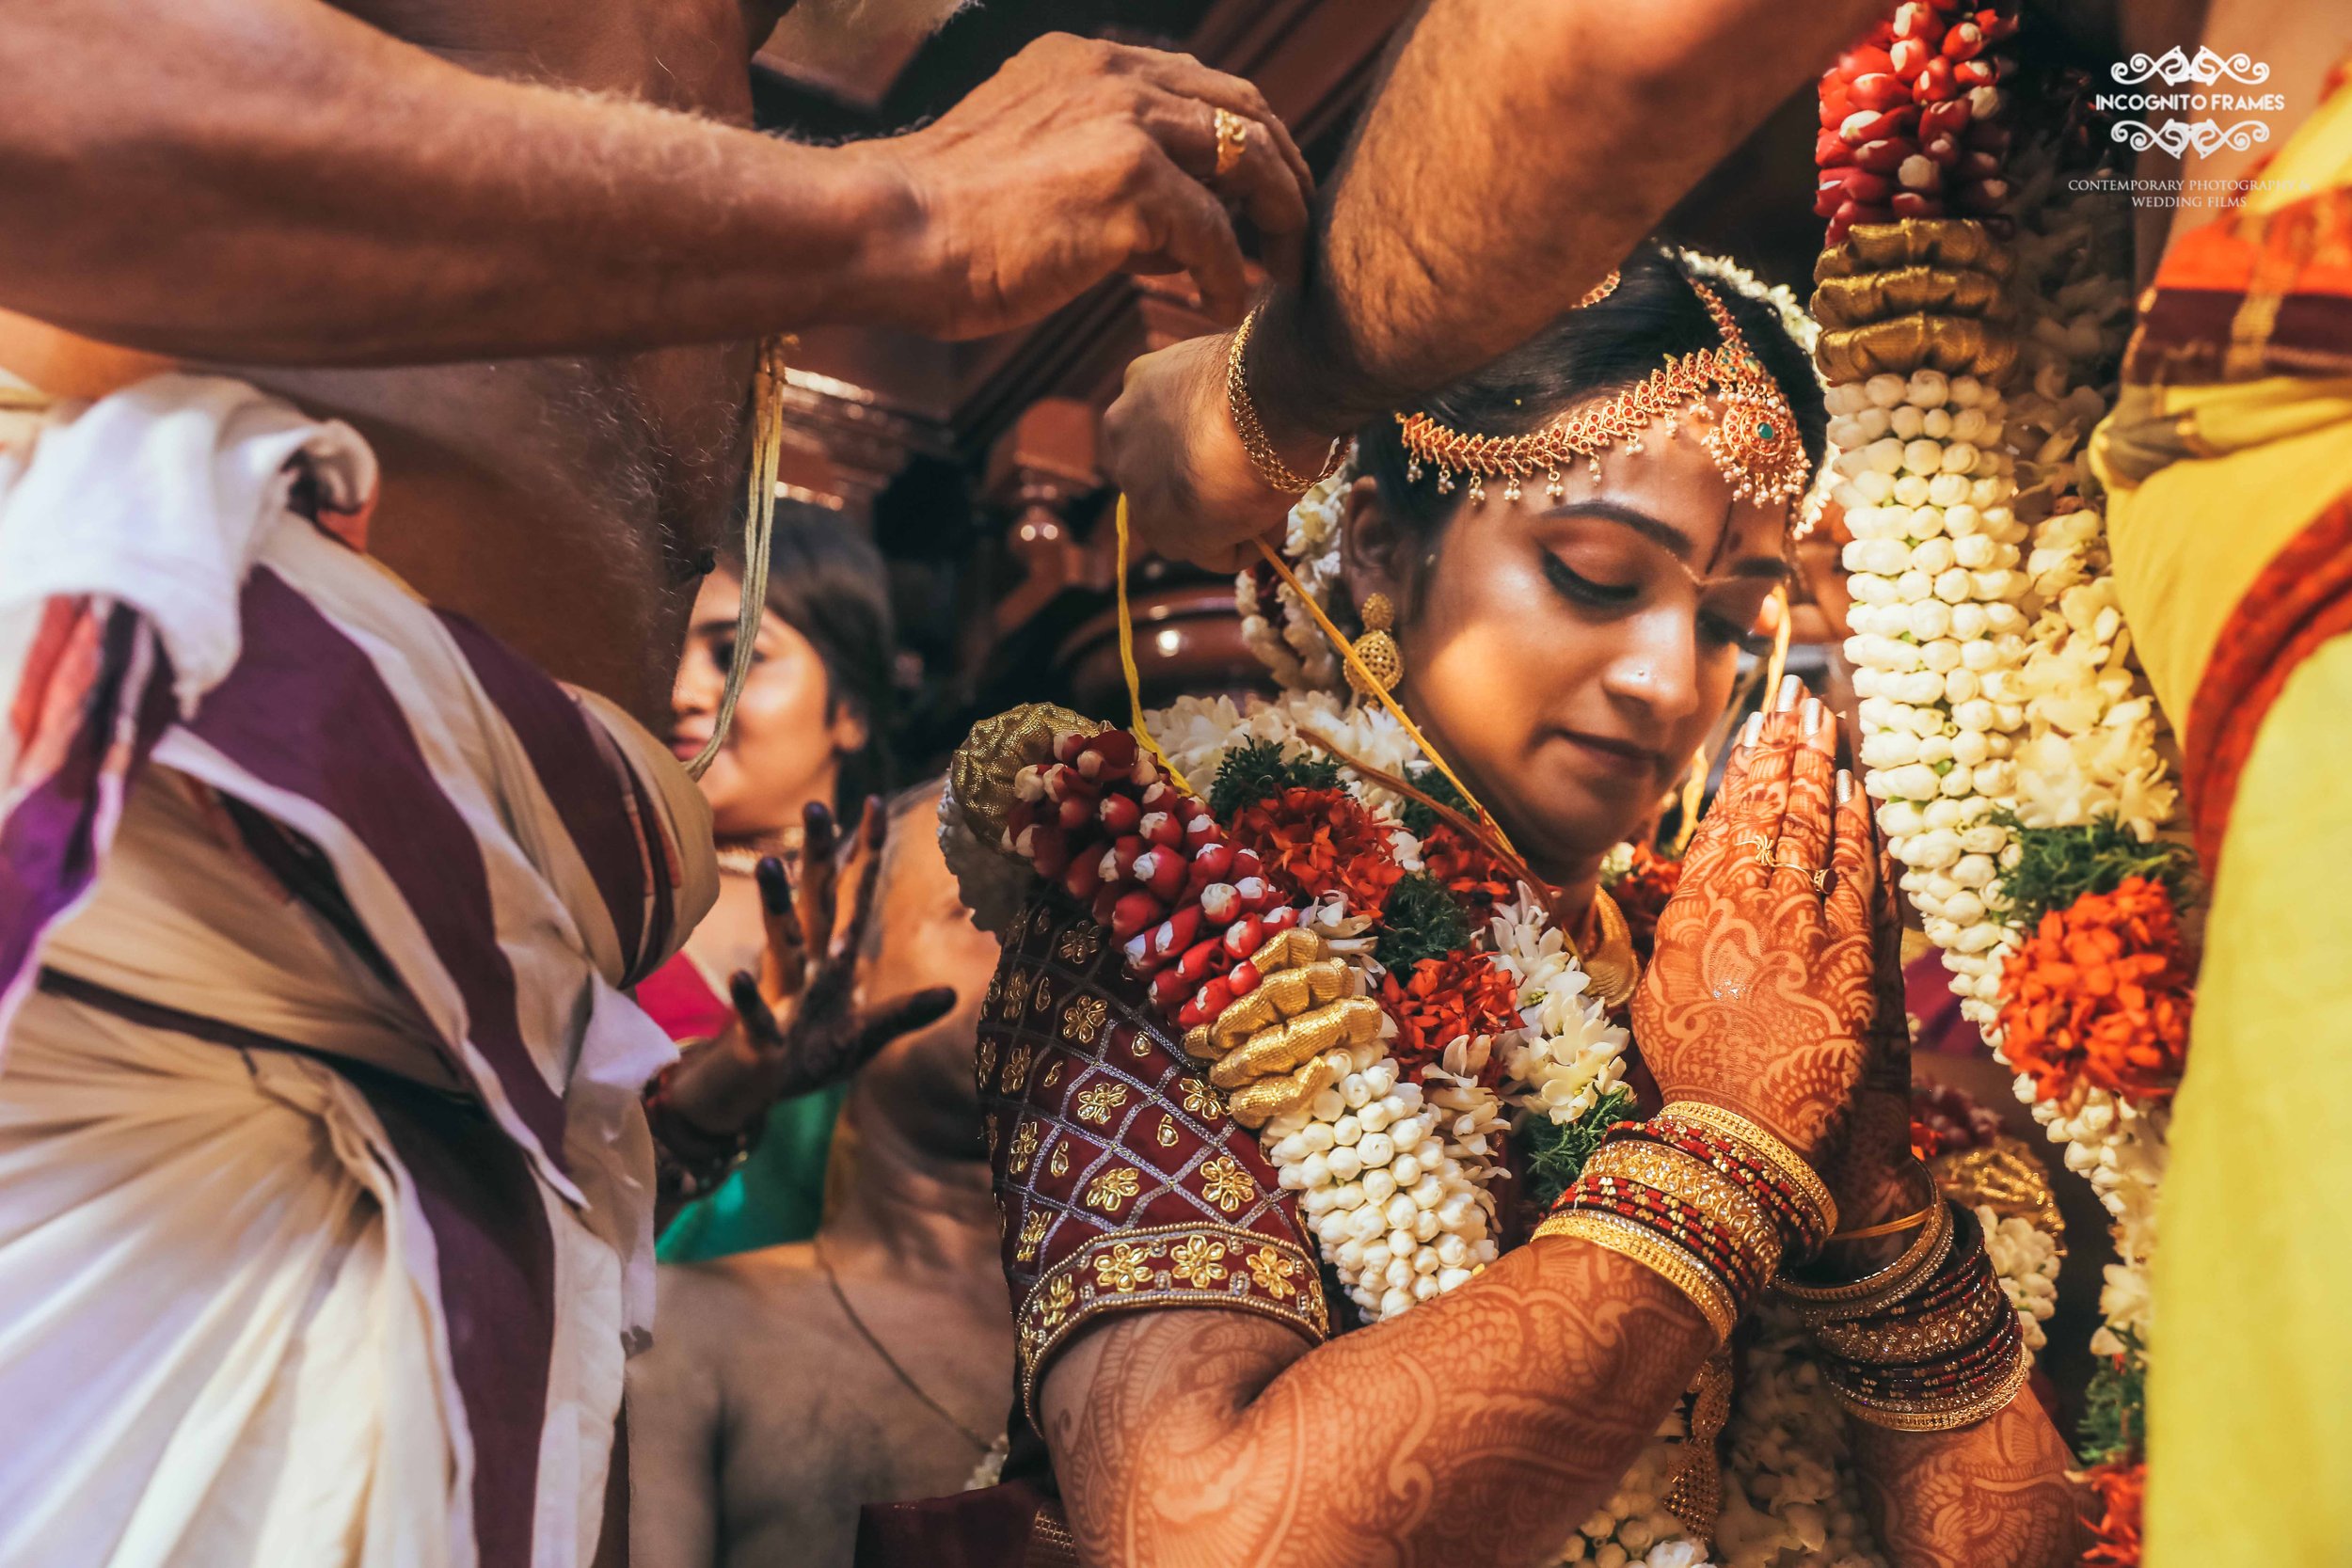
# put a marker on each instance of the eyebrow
(1670, 538)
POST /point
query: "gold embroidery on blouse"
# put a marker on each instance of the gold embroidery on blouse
(1112, 1189)
(1227, 1184)
(1096, 1104)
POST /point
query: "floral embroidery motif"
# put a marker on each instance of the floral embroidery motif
(1096, 1104)
(1059, 1297)
(1202, 1101)
(995, 990)
(1079, 943)
(988, 1047)
(1113, 1188)
(1016, 994)
(1166, 1134)
(987, 1128)
(1227, 1183)
(1059, 1165)
(1016, 1070)
(1024, 1148)
(1082, 1020)
(1032, 1232)
(1199, 1261)
(1271, 1272)
(1125, 1267)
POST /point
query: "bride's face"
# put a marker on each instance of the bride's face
(1568, 657)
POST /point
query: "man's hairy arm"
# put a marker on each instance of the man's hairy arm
(1991, 1495)
(275, 181)
(1479, 1428)
(1517, 151)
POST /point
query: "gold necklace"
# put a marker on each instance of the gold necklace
(979, 1443)
(742, 857)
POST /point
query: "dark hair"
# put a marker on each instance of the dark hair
(1603, 348)
(825, 580)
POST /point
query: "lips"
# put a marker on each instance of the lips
(687, 745)
(1614, 758)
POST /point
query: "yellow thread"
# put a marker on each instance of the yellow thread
(1348, 654)
(1782, 625)
(759, 527)
(1127, 662)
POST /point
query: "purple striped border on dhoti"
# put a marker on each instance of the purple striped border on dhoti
(52, 840)
(305, 710)
(577, 773)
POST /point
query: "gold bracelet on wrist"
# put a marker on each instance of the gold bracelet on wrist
(1262, 457)
(1670, 1262)
(1818, 1301)
(1767, 1147)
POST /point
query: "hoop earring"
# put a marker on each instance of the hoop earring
(1376, 649)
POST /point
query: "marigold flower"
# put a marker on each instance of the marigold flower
(2100, 993)
(1446, 998)
(1319, 841)
(2116, 1535)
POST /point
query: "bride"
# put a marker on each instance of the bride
(1303, 1007)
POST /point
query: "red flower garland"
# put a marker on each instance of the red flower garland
(2116, 1537)
(1459, 993)
(2100, 993)
(1642, 894)
(1475, 879)
(1317, 841)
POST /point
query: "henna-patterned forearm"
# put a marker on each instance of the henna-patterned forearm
(1991, 1495)
(1479, 1428)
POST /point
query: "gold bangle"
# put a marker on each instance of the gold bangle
(1855, 1298)
(1942, 1412)
(1693, 1180)
(1767, 1147)
(1670, 1262)
(1881, 1343)
(1263, 456)
(1890, 1227)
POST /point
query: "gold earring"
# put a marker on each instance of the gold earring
(1376, 650)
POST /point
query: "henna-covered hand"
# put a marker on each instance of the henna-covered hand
(797, 1029)
(1764, 994)
(1990, 1496)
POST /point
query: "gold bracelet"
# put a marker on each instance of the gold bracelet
(1691, 1179)
(1672, 1263)
(1882, 1343)
(1263, 456)
(1856, 1298)
(1767, 1147)
(1938, 1413)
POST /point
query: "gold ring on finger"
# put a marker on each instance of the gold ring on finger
(1818, 875)
(1232, 140)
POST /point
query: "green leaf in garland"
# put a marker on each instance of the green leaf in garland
(1418, 818)
(1256, 770)
(1556, 1152)
(1421, 920)
(2115, 1408)
(2058, 865)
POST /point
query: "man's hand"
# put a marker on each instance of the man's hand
(1170, 443)
(1078, 160)
(1764, 993)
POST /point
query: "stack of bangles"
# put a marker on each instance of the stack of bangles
(1703, 1196)
(1928, 1342)
(688, 1161)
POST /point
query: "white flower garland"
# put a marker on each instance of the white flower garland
(1391, 1174)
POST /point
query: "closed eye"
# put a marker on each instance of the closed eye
(1581, 590)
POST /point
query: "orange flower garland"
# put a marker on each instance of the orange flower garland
(2116, 1536)
(1475, 879)
(2100, 993)
(1319, 841)
(1461, 993)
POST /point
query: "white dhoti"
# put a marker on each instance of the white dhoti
(324, 1193)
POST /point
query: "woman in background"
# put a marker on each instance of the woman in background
(805, 752)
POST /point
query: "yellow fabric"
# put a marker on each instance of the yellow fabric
(2250, 1388)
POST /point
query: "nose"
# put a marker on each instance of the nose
(1657, 668)
(699, 682)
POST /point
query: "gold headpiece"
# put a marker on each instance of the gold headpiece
(1753, 439)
